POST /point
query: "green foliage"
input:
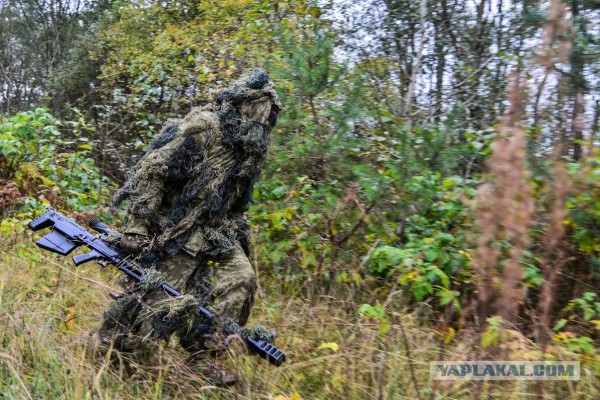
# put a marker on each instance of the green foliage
(160, 59)
(582, 315)
(575, 332)
(47, 167)
(584, 209)
(376, 313)
(494, 334)
(432, 249)
(586, 305)
(22, 136)
(306, 64)
(362, 196)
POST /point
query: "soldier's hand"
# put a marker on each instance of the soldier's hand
(133, 243)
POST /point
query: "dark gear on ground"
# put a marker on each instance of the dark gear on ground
(187, 195)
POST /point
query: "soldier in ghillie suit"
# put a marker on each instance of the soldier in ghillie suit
(185, 219)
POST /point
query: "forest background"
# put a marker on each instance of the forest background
(432, 189)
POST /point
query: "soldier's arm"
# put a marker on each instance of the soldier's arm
(137, 220)
(136, 235)
(136, 226)
(149, 180)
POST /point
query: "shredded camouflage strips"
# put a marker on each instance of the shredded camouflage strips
(212, 188)
(188, 195)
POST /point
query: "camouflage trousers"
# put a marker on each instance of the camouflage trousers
(226, 284)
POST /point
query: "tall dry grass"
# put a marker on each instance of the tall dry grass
(503, 210)
(48, 307)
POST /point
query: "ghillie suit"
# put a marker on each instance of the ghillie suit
(187, 197)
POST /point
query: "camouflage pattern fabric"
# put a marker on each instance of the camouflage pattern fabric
(228, 283)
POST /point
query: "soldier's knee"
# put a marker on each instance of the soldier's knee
(248, 275)
(250, 289)
(241, 271)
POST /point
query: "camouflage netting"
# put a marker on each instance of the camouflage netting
(134, 324)
(190, 192)
(208, 163)
(112, 236)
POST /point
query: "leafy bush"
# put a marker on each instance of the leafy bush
(430, 257)
(50, 162)
(584, 207)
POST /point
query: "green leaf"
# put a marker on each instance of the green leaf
(384, 326)
(446, 296)
(559, 325)
(431, 254)
(364, 308)
(422, 289)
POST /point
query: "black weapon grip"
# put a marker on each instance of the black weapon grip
(98, 225)
(83, 258)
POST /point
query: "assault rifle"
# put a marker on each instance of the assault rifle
(67, 235)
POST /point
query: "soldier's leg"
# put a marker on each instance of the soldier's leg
(230, 283)
(162, 314)
(128, 323)
(235, 286)
(115, 325)
(232, 286)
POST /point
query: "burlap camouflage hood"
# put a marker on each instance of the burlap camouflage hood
(196, 180)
